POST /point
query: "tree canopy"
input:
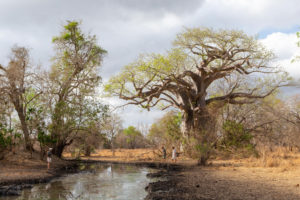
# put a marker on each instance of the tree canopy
(74, 77)
(187, 76)
(184, 77)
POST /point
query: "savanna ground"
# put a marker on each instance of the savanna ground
(276, 176)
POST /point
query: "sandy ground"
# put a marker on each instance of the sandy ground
(239, 183)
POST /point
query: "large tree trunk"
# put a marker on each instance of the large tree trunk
(24, 127)
(60, 145)
(188, 123)
(57, 129)
(199, 126)
(88, 150)
(59, 148)
(43, 151)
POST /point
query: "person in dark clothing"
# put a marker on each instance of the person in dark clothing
(49, 157)
(164, 152)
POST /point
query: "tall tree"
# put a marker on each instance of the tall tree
(111, 127)
(132, 136)
(74, 77)
(185, 77)
(16, 80)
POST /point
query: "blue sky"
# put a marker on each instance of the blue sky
(128, 28)
(267, 31)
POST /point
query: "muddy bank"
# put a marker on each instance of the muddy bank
(13, 190)
(207, 183)
(15, 176)
(170, 166)
(166, 187)
(41, 176)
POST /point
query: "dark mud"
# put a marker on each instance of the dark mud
(207, 183)
(167, 188)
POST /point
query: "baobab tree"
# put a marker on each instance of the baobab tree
(185, 77)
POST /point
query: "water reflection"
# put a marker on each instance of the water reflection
(95, 181)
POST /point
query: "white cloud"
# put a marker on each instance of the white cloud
(253, 16)
(134, 116)
(284, 45)
(285, 48)
(168, 21)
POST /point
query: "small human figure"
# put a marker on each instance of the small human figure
(164, 152)
(173, 154)
(49, 157)
(181, 148)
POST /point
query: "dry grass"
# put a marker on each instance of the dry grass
(127, 154)
(131, 155)
(280, 158)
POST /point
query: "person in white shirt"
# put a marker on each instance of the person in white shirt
(49, 157)
(173, 154)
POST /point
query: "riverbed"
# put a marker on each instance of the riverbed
(93, 181)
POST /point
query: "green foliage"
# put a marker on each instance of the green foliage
(5, 137)
(132, 136)
(236, 135)
(74, 77)
(71, 43)
(45, 139)
(298, 44)
(188, 52)
(153, 68)
(167, 129)
(132, 133)
(202, 152)
(298, 36)
(34, 118)
(202, 148)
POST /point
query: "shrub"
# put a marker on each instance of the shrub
(5, 138)
(235, 135)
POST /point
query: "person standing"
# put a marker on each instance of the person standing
(164, 152)
(49, 157)
(173, 154)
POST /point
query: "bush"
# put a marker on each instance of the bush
(235, 135)
(5, 138)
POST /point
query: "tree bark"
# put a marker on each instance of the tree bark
(88, 151)
(59, 148)
(24, 127)
(200, 126)
(112, 147)
(188, 121)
